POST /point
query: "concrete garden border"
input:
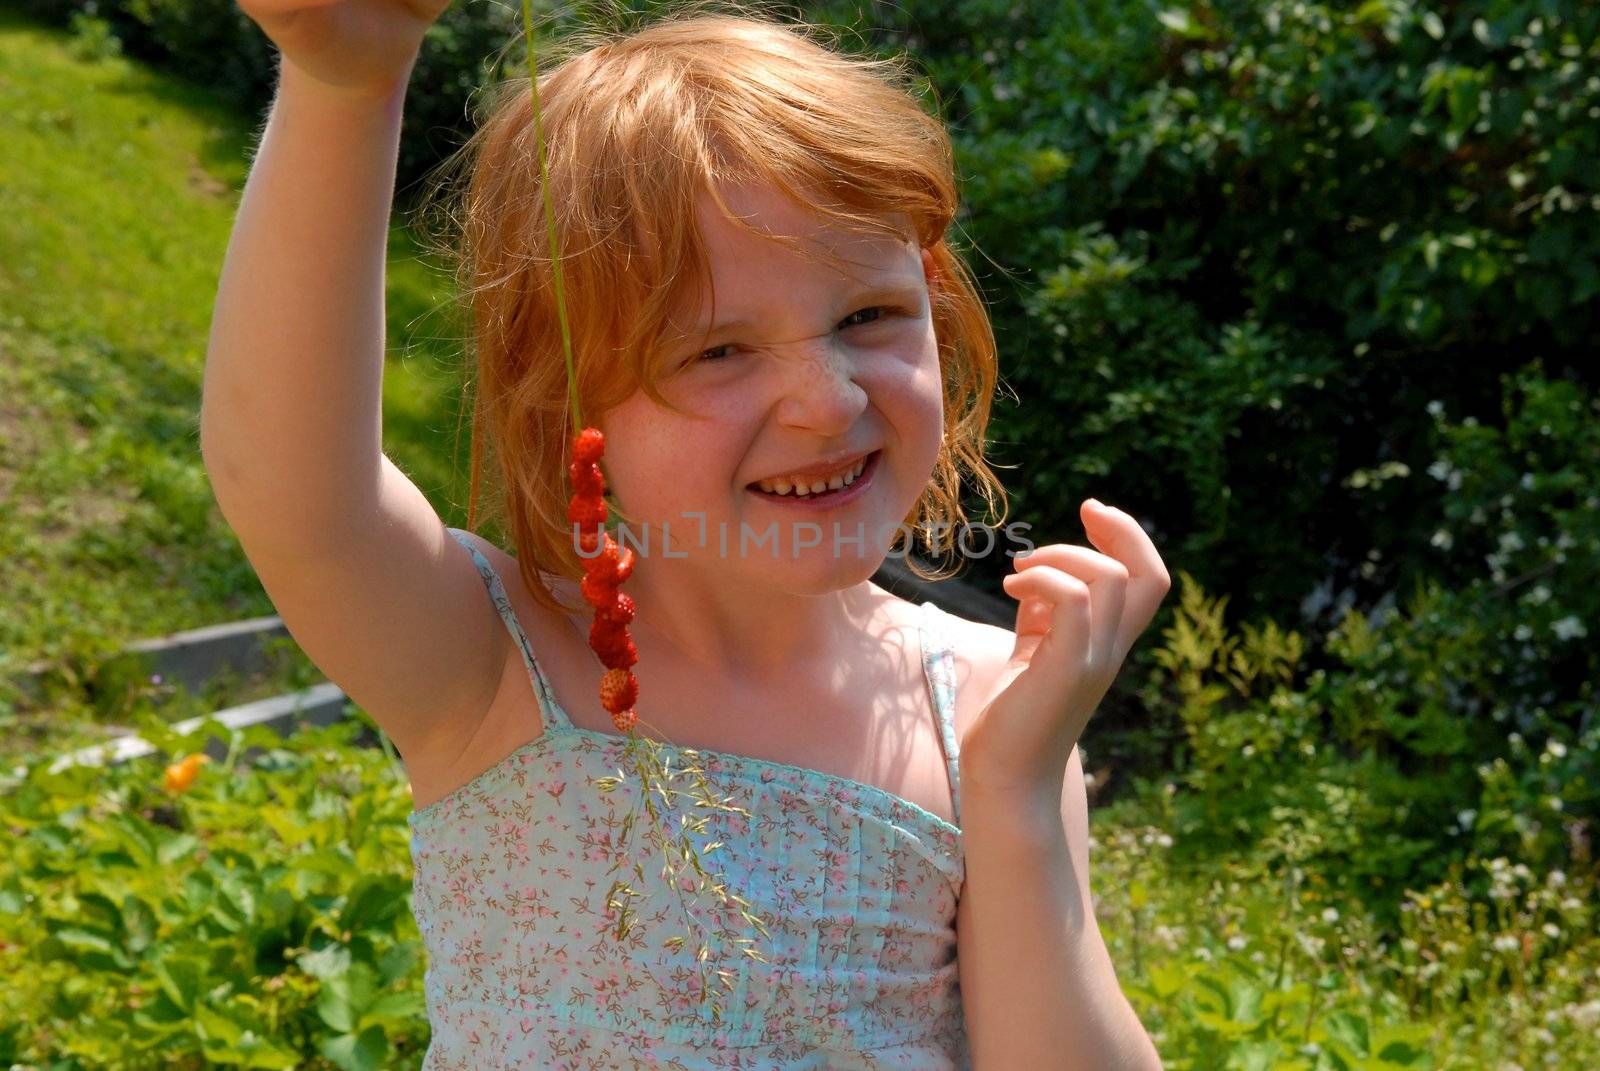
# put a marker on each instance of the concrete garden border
(193, 656)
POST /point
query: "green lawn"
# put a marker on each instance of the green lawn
(118, 186)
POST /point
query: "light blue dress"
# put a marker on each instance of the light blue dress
(858, 888)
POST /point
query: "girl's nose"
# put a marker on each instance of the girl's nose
(818, 385)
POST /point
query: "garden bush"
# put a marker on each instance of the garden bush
(254, 913)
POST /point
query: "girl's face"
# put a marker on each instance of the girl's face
(812, 365)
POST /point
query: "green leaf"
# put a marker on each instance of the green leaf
(368, 1052)
(373, 903)
(399, 1008)
(83, 943)
(1406, 1045)
(1351, 1029)
(1256, 1056)
(180, 979)
(176, 848)
(344, 999)
(326, 963)
(138, 923)
(225, 1038)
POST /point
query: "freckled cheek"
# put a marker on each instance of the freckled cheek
(910, 394)
(681, 473)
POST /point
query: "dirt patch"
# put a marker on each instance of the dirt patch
(205, 183)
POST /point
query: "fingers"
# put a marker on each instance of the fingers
(1125, 580)
(1100, 582)
(1124, 538)
(1054, 607)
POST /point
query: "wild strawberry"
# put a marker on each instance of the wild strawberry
(617, 654)
(586, 511)
(597, 590)
(619, 690)
(611, 642)
(181, 774)
(589, 444)
(614, 563)
(587, 479)
(595, 564)
(625, 720)
(620, 610)
(604, 634)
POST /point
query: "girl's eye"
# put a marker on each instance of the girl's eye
(881, 309)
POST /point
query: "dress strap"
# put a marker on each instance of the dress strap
(938, 665)
(554, 716)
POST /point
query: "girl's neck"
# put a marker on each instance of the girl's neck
(726, 625)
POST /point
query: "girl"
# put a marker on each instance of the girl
(792, 371)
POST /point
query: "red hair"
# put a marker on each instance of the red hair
(636, 125)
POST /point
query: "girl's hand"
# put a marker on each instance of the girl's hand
(360, 47)
(1078, 614)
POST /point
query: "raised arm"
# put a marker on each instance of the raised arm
(354, 557)
(291, 414)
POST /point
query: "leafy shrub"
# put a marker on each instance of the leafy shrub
(92, 37)
(258, 918)
(1230, 970)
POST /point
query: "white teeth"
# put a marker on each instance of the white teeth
(802, 486)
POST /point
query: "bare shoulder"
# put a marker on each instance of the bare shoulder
(513, 715)
(510, 573)
(981, 652)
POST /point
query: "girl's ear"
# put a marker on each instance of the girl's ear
(930, 274)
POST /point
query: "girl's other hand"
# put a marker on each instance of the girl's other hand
(1078, 614)
(357, 47)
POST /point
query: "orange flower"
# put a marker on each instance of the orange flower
(181, 774)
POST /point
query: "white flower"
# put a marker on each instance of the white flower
(1556, 748)
(1568, 628)
(1556, 878)
(1552, 930)
(1330, 915)
(1507, 942)
(1164, 840)
(1466, 818)
(1237, 942)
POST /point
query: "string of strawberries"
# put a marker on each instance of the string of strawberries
(606, 564)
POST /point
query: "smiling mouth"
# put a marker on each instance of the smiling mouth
(869, 464)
